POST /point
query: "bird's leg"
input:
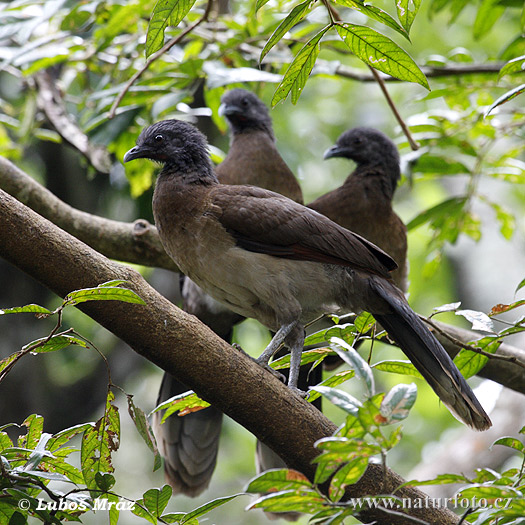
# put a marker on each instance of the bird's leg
(273, 346)
(295, 343)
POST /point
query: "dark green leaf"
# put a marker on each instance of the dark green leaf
(259, 4)
(144, 429)
(307, 501)
(407, 11)
(98, 442)
(275, 480)
(299, 70)
(165, 12)
(398, 402)
(441, 479)
(295, 16)
(155, 500)
(381, 53)
(470, 363)
(57, 342)
(346, 332)
(442, 210)
(509, 95)
(207, 507)
(439, 165)
(376, 14)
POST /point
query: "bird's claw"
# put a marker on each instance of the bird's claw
(272, 371)
(297, 391)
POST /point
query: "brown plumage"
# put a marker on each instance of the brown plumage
(235, 242)
(363, 204)
(189, 444)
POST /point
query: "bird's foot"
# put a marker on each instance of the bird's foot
(272, 371)
(237, 346)
(297, 391)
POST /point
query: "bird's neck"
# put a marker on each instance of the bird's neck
(240, 129)
(387, 175)
(190, 175)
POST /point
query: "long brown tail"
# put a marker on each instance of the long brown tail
(430, 359)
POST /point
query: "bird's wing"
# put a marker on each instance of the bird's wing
(266, 222)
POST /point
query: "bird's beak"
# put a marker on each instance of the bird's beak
(136, 153)
(334, 151)
(226, 110)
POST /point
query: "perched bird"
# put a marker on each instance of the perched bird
(189, 444)
(363, 204)
(270, 258)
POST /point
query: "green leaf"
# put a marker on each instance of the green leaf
(397, 403)
(102, 293)
(98, 443)
(35, 425)
(339, 398)
(144, 429)
(509, 95)
(104, 482)
(520, 286)
(349, 474)
(381, 53)
(502, 308)
(155, 500)
(28, 308)
(469, 363)
(487, 15)
(308, 356)
(165, 12)
(61, 438)
(346, 332)
(259, 4)
(331, 382)
(407, 11)
(306, 501)
(207, 507)
(375, 13)
(364, 322)
(441, 479)
(299, 70)
(275, 480)
(439, 165)
(57, 342)
(511, 442)
(356, 362)
(186, 403)
(398, 367)
(295, 16)
(441, 211)
(516, 65)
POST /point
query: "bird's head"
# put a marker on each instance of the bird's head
(365, 146)
(245, 112)
(180, 146)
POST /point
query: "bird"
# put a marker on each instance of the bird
(272, 259)
(363, 204)
(189, 445)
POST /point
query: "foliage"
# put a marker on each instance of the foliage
(469, 129)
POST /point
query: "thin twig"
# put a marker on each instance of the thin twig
(413, 144)
(334, 15)
(475, 349)
(164, 49)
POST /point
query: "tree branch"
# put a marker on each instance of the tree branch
(139, 243)
(186, 348)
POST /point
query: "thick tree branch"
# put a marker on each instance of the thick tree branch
(136, 243)
(139, 243)
(186, 348)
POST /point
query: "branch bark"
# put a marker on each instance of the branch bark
(139, 243)
(186, 348)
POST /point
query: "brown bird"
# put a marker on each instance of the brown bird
(363, 204)
(270, 258)
(189, 444)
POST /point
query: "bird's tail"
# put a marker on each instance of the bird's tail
(430, 358)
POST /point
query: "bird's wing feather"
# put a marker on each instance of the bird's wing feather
(266, 222)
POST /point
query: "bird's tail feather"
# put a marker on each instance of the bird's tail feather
(431, 360)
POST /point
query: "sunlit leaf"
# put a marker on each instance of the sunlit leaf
(375, 13)
(398, 367)
(29, 308)
(516, 65)
(274, 480)
(407, 11)
(487, 15)
(331, 382)
(349, 474)
(340, 399)
(511, 442)
(102, 293)
(480, 321)
(166, 12)
(450, 307)
(184, 403)
(295, 15)
(397, 403)
(442, 210)
(307, 501)
(381, 53)
(299, 70)
(56, 342)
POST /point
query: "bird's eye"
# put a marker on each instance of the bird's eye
(244, 102)
(357, 140)
(158, 138)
